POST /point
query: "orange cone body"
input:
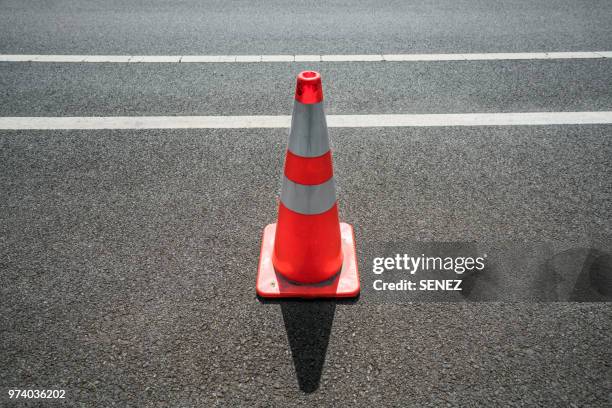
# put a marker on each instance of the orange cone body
(309, 248)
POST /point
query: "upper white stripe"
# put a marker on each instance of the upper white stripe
(306, 58)
(308, 136)
(247, 122)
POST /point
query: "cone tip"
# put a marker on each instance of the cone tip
(309, 88)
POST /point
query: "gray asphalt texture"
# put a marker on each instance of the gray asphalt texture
(128, 258)
(338, 27)
(129, 262)
(34, 89)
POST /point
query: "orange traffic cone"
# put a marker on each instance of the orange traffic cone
(308, 253)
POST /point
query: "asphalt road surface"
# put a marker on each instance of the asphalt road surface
(128, 257)
(339, 27)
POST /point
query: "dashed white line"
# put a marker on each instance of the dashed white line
(305, 58)
(249, 122)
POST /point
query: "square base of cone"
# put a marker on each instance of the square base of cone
(345, 284)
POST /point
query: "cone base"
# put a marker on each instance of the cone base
(345, 284)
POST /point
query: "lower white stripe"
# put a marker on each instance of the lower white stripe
(308, 199)
(248, 122)
(305, 58)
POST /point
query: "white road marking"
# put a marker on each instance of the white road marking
(154, 58)
(277, 58)
(305, 58)
(227, 58)
(605, 54)
(201, 58)
(352, 58)
(426, 57)
(249, 122)
(248, 58)
(59, 58)
(104, 58)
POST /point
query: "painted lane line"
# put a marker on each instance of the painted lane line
(424, 57)
(16, 58)
(605, 54)
(499, 56)
(59, 58)
(249, 122)
(145, 122)
(105, 58)
(277, 58)
(155, 58)
(200, 58)
(351, 58)
(227, 58)
(308, 58)
(532, 56)
(471, 119)
(248, 58)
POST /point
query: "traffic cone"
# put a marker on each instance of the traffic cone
(308, 253)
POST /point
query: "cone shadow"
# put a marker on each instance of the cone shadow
(308, 325)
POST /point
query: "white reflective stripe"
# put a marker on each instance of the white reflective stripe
(308, 200)
(308, 137)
